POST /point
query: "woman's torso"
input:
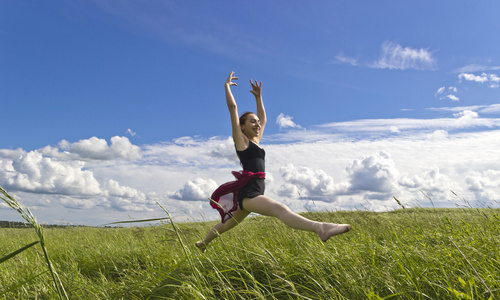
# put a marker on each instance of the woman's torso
(252, 158)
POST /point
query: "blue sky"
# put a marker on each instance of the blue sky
(110, 106)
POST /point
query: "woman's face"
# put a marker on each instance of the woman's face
(252, 127)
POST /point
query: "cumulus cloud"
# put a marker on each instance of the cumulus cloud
(63, 173)
(438, 135)
(374, 173)
(195, 190)
(32, 172)
(466, 117)
(485, 185)
(113, 188)
(431, 181)
(95, 148)
(285, 121)
(305, 182)
(225, 149)
(394, 56)
(492, 80)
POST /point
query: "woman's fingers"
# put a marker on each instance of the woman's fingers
(257, 84)
(231, 78)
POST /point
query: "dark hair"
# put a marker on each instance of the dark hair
(243, 117)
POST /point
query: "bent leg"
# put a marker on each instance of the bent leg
(220, 228)
(268, 207)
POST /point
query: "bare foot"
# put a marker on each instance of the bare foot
(327, 230)
(201, 246)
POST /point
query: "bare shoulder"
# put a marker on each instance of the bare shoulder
(240, 141)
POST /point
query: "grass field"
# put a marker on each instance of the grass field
(404, 254)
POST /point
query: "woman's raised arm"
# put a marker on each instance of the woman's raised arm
(238, 137)
(261, 112)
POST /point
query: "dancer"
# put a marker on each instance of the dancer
(247, 192)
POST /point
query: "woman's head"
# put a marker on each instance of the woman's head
(244, 117)
(250, 124)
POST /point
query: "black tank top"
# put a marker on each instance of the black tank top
(252, 158)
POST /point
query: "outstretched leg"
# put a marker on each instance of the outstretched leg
(220, 228)
(268, 207)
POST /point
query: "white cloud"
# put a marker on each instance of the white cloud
(394, 129)
(66, 178)
(33, 172)
(375, 173)
(129, 131)
(113, 188)
(95, 149)
(377, 128)
(447, 93)
(438, 135)
(479, 181)
(285, 121)
(305, 182)
(452, 97)
(490, 109)
(225, 149)
(466, 117)
(431, 181)
(195, 190)
(483, 109)
(80, 203)
(394, 56)
(492, 80)
(485, 185)
(122, 148)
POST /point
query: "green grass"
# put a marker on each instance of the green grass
(405, 254)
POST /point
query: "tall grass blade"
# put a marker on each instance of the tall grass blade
(428, 198)
(472, 267)
(28, 216)
(137, 221)
(11, 255)
(195, 270)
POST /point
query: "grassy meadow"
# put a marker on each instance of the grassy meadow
(416, 253)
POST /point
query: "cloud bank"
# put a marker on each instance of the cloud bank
(359, 164)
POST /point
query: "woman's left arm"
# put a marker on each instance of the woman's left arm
(261, 112)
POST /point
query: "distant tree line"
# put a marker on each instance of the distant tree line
(13, 224)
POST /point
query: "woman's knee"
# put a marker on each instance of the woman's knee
(281, 208)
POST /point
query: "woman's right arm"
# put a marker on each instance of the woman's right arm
(238, 136)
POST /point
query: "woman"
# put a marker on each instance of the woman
(247, 133)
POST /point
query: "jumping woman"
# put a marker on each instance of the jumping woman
(246, 194)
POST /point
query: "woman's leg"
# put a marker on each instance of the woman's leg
(268, 207)
(220, 228)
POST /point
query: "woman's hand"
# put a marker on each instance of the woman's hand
(229, 81)
(256, 88)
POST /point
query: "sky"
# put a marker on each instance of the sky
(110, 108)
